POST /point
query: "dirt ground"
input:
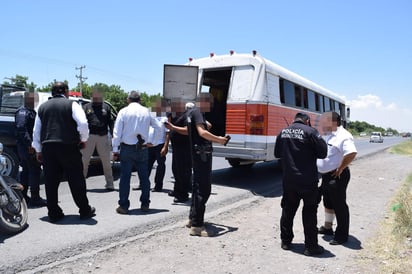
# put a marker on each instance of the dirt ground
(247, 239)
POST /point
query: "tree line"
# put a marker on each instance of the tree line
(117, 97)
(113, 93)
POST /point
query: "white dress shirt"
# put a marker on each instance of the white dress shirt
(162, 137)
(133, 120)
(78, 116)
(340, 143)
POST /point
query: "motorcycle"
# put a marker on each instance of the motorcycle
(13, 207)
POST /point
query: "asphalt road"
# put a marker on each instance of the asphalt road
(44, 243)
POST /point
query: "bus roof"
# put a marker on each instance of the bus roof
(242, 59)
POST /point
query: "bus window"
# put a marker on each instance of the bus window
(319, 103)
(311, 100)
(305, 98)
(337, 108)
(298, 96)
(287, 92)
(327, 104)
(241, 88)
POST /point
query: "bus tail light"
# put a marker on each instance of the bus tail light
(256, 124)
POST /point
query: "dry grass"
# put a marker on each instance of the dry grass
(391, 249)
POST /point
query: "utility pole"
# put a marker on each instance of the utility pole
(81, 78)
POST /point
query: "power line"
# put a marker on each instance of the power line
(81, 78)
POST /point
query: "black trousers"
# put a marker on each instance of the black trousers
(182, 170)
(334, 197)
(290, 203)
(60, 159)
(202, 187)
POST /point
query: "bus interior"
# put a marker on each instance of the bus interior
(216, 82)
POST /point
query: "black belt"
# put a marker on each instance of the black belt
(135, 145)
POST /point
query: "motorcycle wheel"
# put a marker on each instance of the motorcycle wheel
(13, 217)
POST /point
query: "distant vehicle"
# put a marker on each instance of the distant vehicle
(406, 134)
(376, 137)
(363, 134)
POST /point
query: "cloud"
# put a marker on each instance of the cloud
(373, 110)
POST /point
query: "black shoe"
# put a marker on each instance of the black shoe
(325, 231)
(314, 251)
(171, 193)
(54, 219)
(336, 242)
(37, 202)
(285, 246)
(180, 200)
(145, 208)
(89, 215)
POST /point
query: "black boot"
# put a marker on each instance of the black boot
(36, 200)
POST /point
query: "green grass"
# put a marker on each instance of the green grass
(391, 250)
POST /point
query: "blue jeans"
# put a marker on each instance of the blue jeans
(131, 157)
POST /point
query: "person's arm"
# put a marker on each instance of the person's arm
(117, 131)
(180, 130)
(79, 116)
(210, 136)
(165, 147)
(36, 144)
(347, 159)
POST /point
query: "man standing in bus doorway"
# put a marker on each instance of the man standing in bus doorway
(299, 146)
(100, 125)
(201, 152)
(335, 176)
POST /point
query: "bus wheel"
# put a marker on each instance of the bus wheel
(237, 163)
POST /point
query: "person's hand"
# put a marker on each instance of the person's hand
(31, 150)
(82, 145)
(39, 157)
(116, 156)
(163, 151)
(168, 125)
(149, 144)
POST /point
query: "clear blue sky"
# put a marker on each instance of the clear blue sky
(361, 50)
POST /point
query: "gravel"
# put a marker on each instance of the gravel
(247, 235)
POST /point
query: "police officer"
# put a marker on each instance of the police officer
(181, 158)
(201, 150)
(298, 146)
(60, 131)
(31, 168)
(100, 123)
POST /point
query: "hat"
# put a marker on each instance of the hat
(189, 105)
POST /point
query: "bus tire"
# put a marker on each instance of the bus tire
(237, 163)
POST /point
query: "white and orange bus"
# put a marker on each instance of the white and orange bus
(254, 99)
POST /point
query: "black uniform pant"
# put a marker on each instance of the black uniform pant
(60, 159)
(182, 171)
(290, 203)
(31, 171)
(334, 197)
(202, 187)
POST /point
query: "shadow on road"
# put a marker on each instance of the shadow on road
(264, 179)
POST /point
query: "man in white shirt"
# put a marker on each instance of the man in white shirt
(131, 130)
(157, 153)
(335, 176)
